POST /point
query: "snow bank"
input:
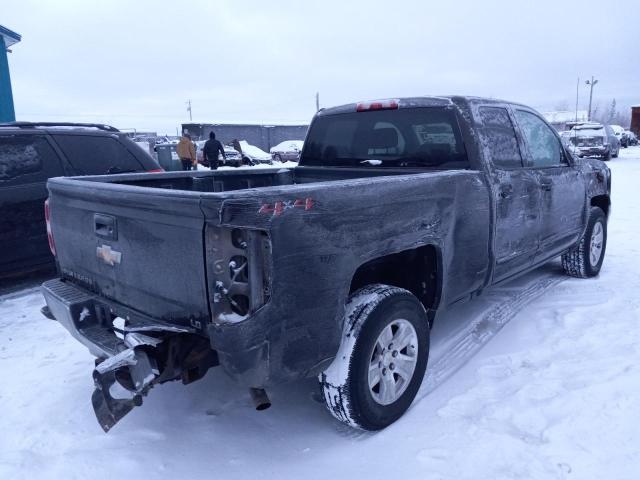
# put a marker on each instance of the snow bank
(253, 151)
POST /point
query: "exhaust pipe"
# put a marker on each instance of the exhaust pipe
(260, 398)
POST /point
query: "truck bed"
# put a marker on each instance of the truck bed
(158, 225)
(234, 180)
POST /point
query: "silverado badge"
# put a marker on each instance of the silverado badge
(108, 256)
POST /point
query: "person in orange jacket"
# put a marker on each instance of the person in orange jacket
(187, 152)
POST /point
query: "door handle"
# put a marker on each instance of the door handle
(105, 226)
(546, 185)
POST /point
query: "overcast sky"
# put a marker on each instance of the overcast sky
(135, 64)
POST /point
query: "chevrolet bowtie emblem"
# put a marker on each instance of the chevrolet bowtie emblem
(108, 256)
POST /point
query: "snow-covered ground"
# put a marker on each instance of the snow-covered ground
(539, 378)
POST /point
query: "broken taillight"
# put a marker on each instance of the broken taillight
(390, 104)
(47, 217)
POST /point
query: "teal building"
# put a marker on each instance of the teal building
(7, 38)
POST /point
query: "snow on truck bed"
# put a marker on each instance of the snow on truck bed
(539, 378)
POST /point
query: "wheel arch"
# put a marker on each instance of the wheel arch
(418, 270)
(603, 202)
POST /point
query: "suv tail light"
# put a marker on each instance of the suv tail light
(391, 104)
(156, 170)
(47, 217)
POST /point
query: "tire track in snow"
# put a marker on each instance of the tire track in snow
(466, 344)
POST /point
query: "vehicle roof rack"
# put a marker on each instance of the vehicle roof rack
(100, 126)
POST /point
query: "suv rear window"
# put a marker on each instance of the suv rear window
(407, 137)
(97, 155)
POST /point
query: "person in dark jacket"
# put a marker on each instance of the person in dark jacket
(210, 151)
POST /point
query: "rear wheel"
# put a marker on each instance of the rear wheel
(382, 359)
(585, 259)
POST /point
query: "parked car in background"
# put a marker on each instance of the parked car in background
(252, 155)
(233, 157)
(621, 135)
(31, 153)
(287, 151)
(633, 139)
(594, 140)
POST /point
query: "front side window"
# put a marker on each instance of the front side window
(406, 137)
(544, 146)
(499, 138)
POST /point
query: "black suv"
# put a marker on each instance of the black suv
(31, 153)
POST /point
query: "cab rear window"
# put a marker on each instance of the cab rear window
(405, 137)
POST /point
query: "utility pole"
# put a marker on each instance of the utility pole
(591, 83)
(317, 101)
(577, 93)
(189, 110)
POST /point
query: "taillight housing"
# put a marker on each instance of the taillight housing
(47, 217)
(156, 170)
(238, 270)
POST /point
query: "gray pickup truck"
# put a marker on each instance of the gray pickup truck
(336, 268)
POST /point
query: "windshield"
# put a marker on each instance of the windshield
(406, 137)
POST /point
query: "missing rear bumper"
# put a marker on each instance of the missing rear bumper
(132, 357)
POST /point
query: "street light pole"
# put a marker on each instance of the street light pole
(591, 83)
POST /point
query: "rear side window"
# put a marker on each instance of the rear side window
(27, 159)
(499, 138)
(94, 155)
(405, 137)
(544, 146)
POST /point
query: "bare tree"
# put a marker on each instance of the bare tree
(595, 113)
(611, 114)
(612, 111)
(561, 106)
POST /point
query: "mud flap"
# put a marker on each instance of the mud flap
(121, 381)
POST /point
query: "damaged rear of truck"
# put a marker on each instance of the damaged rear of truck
(164, 284)
(277, 275)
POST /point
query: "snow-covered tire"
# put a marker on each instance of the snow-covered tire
(579, 261)
(371, 314)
